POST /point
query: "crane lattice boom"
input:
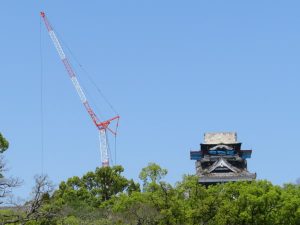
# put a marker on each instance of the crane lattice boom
(102, 126)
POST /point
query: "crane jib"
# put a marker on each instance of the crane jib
(102, 126)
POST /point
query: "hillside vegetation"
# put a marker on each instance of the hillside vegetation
(106, 197)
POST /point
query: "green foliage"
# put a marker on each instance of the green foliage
(3, 144)
(105, 197)
(94, 187)
(82, 196)
(133, 209)
(152, 174)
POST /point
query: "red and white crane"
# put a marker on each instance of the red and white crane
(102, 126)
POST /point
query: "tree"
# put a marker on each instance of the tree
(3, 147)
(108, 181)
(6, 184)
(34, 209)
(94, 187)
(152, 174)
(3, 144)
(195, 202)
(133, 209)
(106, 197)
(82, 196)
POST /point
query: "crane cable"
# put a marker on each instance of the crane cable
(41, 100)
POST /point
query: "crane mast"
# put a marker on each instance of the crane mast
(102, 126)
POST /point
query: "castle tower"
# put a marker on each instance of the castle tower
(220, 159)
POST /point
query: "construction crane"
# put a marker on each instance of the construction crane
(102, 126)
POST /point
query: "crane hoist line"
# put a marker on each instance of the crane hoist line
(102, 126)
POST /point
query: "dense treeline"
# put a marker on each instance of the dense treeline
(106, 197)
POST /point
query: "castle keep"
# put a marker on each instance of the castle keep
(220, 159)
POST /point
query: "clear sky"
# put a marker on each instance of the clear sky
(172, 69)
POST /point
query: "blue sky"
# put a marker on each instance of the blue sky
(172, 69)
